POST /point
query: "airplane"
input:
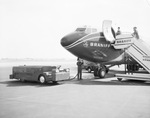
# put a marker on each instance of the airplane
(89, 44)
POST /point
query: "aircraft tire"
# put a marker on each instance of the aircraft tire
(96, 72)
(102, 72)
(107, 70)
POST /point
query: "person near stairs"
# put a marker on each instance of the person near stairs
(135, 33)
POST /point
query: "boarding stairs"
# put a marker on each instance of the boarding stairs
(139, 52)
(133, 47)
(136, 49)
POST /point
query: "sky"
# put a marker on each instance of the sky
(34, 28)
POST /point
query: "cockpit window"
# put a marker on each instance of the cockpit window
(87, 30)
(81, 29)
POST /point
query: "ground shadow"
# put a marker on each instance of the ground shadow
(113, 82)
(88, 79)
(108, 81)
(16, 83)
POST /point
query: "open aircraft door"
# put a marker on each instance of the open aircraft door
(108, 30)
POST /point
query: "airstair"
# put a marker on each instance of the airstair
(133, 47)
(136, 49)
(139, 52)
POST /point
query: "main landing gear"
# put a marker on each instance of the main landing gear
(100, 71)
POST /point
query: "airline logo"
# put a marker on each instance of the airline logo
(96, 44)
(85, 44)
(123, 41)
(146, 58)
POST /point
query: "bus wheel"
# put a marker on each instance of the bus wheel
(42, 79)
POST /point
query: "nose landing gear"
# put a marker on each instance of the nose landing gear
(100, 71)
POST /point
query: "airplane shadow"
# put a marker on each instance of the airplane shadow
(114, 82)
(111, 80)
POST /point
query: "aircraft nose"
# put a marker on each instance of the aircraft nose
(69, 39)
(65, 41)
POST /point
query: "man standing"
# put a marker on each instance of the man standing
(135, 33)
(118, 32)
(79, 64)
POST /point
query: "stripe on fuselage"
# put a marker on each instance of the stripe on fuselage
(83, 39)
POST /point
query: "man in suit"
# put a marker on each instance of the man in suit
(79, 64)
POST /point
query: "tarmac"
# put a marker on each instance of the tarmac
(87, 98)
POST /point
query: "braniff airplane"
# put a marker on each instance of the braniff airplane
(107, 48)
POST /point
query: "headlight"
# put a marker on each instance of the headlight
(48, 73)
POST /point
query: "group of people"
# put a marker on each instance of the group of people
(135, 32)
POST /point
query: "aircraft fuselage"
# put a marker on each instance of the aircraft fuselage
(92, 47)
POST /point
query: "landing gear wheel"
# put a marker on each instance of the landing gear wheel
(102, 72)
(42, 79)
(96, 72)
(107, 70)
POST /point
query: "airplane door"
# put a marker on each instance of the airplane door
(107, 30)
